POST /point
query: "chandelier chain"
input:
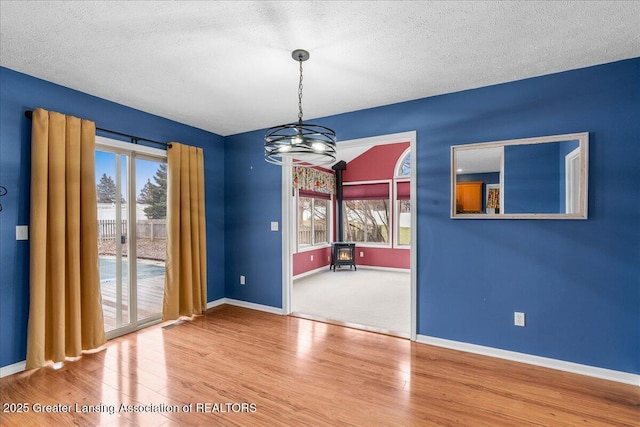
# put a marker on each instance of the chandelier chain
(300, 94)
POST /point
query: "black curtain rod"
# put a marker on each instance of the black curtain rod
(134, 139)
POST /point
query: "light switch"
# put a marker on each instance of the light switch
(274, 225)
(22, 232)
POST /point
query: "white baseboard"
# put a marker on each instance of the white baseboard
(392, 269)
(216, 303)
(362, 267)
(13, 369)
(245, 304)
(311, 272)
(576, 368)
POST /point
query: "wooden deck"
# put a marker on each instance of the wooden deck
(150, 295)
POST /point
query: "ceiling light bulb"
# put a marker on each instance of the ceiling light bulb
(319, 147)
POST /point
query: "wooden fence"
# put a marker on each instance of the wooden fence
(304, 235)
(151, 229)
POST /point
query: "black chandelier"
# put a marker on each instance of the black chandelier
(300, 143)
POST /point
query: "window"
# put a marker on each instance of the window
(313, 222)
(366, 213)
(403, 209)
(367, 221)
(405, 166)
(403, 200)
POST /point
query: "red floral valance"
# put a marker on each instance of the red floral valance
(311, 179)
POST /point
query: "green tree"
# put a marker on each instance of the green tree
(106, 190)
(155, 195)
(146, 194)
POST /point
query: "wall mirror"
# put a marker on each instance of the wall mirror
(533, 178)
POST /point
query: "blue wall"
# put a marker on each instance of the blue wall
(531, 175)
(253, 199)
(578, 281)
(21, 92)
(486, 178)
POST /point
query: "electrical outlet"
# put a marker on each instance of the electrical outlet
(311, 257)
(518, 318)
(361, 254)
(242, 280)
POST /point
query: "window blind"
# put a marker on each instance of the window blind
(403, 191)
(366, 191)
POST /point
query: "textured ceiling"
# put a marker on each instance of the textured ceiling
(226, 67)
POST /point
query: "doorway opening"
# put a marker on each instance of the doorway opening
(348, 296)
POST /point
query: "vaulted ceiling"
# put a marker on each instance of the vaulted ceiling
(226, 66)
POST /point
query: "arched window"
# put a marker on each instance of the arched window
(403, 167)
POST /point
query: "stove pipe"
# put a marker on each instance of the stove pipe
(339, 167)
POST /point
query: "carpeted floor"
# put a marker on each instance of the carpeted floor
(371, 298)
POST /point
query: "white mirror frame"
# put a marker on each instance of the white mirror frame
(583, 146)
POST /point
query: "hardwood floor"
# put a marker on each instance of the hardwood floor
(241, 367)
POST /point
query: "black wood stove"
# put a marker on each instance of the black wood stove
(343, 254)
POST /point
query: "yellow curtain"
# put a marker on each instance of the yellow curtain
(65, 311)
(185, 292)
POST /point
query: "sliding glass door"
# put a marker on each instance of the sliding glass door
(132, 211)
